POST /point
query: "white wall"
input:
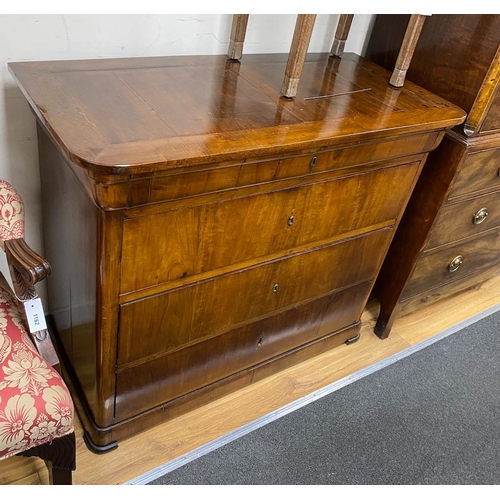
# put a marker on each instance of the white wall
(75, 36)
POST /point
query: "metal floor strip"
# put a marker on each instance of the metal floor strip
(295, 405)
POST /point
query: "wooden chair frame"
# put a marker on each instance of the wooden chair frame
(300, 43)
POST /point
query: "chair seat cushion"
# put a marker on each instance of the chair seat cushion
(35, 404)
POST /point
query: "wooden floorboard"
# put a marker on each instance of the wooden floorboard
(153, 448)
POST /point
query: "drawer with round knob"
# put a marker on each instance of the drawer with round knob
(183, 244)
(203, 310)
(206, 238)
(445, 264)
(456, 221)
(172, 375)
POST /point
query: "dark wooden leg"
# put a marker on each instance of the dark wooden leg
(384, 323)
(60, 457)
(59, 476)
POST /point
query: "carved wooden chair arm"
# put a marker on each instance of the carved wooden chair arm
(26, 269)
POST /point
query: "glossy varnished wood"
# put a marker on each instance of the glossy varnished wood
(205, 236)
(216, 233)
(145, 128)
(252, 293)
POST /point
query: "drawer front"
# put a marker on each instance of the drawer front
(186, 370)
(216, 178)
(461, 220)
(480, 172)
(169, 246)
(433, 268)
(184, 316)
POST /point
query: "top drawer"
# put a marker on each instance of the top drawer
(480, 172)
(169, 246)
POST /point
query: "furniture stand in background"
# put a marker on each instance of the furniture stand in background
(207, 231)
(449, 238)
(304, 26)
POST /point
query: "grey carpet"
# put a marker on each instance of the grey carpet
(432, 418)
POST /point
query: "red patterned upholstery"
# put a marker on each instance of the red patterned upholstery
(11, 213)
(35, 404)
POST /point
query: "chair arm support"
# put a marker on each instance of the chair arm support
(26, 267)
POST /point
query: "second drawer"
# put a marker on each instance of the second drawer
(190, 314)
(456, 221)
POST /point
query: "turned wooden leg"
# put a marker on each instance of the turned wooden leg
(238, 32)
(59, 456)
(407, 49)
(298, 52)
(341, 34)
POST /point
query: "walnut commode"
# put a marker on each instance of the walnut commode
(206, 232)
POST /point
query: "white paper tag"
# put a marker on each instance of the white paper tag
(35, 315)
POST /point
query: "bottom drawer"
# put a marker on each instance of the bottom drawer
(178, 373)
(450, 263)
(447, 290)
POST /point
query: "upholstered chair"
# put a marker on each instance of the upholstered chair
(36, 408)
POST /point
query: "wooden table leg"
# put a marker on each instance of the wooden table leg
(238, 32)
(298, 52)
(407, 49)
(343, 27)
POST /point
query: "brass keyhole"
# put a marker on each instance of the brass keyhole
(290, 220)
(480, 216)
(313, 161)
(275, 287)
(455, 263)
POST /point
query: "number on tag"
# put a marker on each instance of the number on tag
(35, 315)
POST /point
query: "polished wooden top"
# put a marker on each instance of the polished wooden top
(143, 115)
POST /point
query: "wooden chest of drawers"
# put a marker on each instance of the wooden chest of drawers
(205, 232)
(449, 238)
